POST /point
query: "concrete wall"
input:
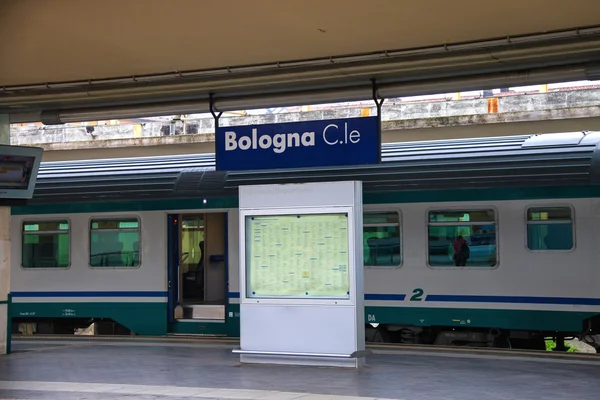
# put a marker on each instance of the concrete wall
(498, 116)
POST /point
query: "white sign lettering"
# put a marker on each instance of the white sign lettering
(332, 135)
(278, 142)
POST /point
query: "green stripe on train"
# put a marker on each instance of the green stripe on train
(498, 194)
(109, 206)
(150, 319)
(146, 319)
(534, 320)
(142, 318)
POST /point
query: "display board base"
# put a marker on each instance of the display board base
(355, 360)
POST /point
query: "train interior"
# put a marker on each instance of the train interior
(197, 267)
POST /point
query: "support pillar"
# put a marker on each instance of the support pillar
(4, 256)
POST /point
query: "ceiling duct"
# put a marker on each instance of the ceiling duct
(533, 59)
(389, 90)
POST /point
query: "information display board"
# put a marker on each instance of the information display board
(19, 168)
(297, 256)
(300, 274)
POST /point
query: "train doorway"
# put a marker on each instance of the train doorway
(197, 270)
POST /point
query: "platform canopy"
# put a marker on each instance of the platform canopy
(68, 55)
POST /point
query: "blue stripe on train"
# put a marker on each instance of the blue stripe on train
(451, 298)
(91, 294)
(385, 297)
(368, 296)
(512, 299)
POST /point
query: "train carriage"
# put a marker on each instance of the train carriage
(151, 243)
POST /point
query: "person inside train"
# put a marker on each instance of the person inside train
(461, 251)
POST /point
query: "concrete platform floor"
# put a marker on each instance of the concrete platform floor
(95, 369)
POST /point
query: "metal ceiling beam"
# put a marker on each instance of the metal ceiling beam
(549, 75)
(511, 61)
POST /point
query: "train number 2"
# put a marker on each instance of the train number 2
(417, 295)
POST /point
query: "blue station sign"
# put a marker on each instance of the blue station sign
(349, 141)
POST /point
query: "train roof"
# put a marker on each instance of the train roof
(526, 160)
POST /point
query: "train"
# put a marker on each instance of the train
(149, 245)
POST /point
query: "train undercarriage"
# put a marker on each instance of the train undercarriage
(483, 337)
(374, 333)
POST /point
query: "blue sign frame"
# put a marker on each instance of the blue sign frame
(336, 142)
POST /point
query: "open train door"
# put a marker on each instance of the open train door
(197, 275)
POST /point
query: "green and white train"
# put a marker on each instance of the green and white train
(151, 243)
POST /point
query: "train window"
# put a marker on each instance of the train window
(45, 244)
(449, 229)
(114, 242)
(381, 236)
(549, 228)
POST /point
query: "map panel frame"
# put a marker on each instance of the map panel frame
(310, 264)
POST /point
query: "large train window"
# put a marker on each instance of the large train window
(550, 228)
(381, 236)
(462, 238)
(115, 242)
(45, 244)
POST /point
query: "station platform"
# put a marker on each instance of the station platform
(107, 369)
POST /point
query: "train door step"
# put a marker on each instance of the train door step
(204, 312)
(200, 320)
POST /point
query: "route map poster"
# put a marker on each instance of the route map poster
(297, 256)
